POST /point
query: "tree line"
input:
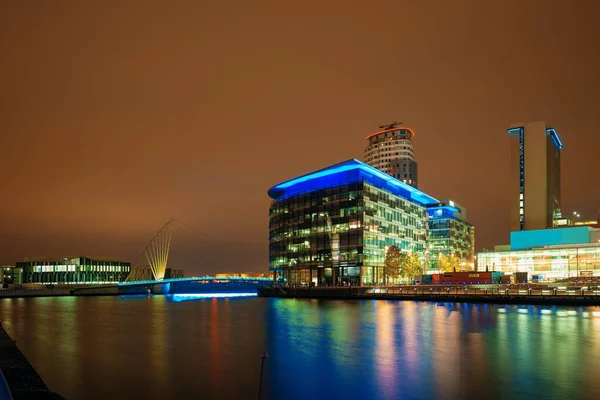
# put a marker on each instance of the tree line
(398, 264)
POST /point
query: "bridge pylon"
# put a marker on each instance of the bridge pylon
(153, 263)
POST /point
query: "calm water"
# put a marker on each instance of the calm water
(157, 347)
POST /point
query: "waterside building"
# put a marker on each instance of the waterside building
(549, 253)
(450, 234)
(535, 176)
(73, 270)
(333, 226)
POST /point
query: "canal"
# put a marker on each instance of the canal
(163, 347)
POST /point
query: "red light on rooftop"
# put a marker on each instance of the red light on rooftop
(398, 128)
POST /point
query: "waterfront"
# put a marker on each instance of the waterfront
(163, 347)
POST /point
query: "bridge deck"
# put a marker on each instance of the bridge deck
(197, 278)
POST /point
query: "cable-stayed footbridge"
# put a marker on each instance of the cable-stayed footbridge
(178, 244)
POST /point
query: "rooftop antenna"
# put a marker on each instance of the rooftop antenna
(390, 126)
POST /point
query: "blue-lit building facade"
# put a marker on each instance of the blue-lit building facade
(449, 234)
(333, 226)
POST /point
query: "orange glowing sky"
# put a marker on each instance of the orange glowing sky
(118, 115)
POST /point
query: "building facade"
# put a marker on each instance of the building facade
(73, 270)
(391, 151)
(10, 275)
(449, 234)
(550, 253)
(535, 176)
(334, 226)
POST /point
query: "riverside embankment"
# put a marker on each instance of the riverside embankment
(493, 294)
(18, 379)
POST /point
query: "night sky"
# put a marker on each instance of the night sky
(118, 115)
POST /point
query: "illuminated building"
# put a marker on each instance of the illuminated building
(450, 234)
(552, 253)
(9, 274)
(535, 176)
(245, 275)
(333, 226)
(391, 151)
(73, 270)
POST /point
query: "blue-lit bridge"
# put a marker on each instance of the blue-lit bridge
(214, 285)
(197, 285)
(151, 275)
(196, 279)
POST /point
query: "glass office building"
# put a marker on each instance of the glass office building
(450, 235)
(73, 270)
(333, 226)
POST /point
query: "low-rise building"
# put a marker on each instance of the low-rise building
(10, 275)
(71, 270)
(549, 253)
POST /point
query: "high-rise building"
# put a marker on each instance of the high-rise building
(535, 176)
(391, 150)
(333, 226)
(450, 234)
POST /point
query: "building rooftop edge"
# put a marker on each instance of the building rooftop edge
(349, 165)
(550, 247)
(37, 258)
(398, 128)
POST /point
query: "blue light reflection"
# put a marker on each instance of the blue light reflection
(196, 296)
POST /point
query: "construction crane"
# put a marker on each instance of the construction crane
(390, 126)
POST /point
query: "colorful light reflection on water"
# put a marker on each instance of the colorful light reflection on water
(163, 347)
(196, 296)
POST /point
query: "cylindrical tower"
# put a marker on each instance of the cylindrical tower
(391, 151)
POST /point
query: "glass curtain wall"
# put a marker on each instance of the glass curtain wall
(339, 235)
(316, 238)
(549, 262)
(390, 220)
(451, 236)
(74, 270)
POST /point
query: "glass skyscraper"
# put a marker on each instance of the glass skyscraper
(333, 226)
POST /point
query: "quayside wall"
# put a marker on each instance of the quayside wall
(18, 378)
(481, 294)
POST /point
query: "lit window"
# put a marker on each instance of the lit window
(521, 196)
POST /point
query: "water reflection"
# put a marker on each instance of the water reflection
(159, 347)
(427, 350)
